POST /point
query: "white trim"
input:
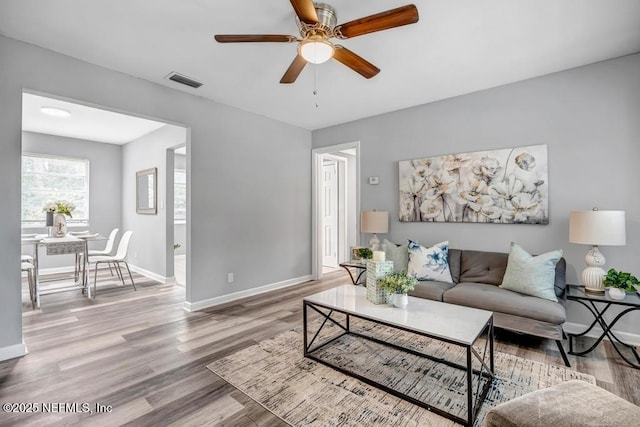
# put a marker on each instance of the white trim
(13, 351)
(200, 305)
(152, 275)
(576, 328)
(316, 200)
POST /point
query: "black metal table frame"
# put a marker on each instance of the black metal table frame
(606, 328)
(347, 266)
(484, 371)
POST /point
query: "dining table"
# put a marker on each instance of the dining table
(72, 243)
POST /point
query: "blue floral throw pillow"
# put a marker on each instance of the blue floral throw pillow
(429, 263)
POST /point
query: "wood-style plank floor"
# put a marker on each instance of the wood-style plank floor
(142, 355)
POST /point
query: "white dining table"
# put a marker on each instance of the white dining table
(77, 244)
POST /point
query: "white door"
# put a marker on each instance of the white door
(330, 174)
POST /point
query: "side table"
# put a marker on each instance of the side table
(631, 302)
(361, 268)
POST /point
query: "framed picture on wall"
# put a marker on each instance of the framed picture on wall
(507, 186)
(146, 191)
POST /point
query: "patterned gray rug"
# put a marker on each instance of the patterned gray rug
(302, 392)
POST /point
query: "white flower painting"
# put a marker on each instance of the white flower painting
(509, 186)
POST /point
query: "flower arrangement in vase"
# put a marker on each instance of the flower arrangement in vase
(399, 284)
(61, 208)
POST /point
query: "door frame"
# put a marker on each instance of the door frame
(316, 200)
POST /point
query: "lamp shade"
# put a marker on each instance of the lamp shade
(374, 221)
(596, 227)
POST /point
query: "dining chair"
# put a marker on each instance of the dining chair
(30, 269)
(117, 259)
(108, 248)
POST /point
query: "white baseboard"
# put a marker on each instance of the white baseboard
(135, 268)
(13, 351)
(152, 275)
(576, 328)
(200, 305)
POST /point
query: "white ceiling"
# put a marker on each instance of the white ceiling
(457, 47)
(85, 122)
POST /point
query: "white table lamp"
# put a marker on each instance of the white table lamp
(374, 222)
(605, 228)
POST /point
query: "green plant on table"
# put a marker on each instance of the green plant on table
(398, 283)
(621, 280)
(365, 253)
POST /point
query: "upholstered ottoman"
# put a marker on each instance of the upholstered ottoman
(572, 403)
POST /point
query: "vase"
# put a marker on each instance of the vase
(400, 300)
(60, 225)
(617, 293)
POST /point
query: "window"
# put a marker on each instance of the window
(179, 195)
(48, 179)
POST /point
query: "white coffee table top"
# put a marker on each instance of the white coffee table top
(451, 322)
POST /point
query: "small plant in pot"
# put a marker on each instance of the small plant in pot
(618, 282)
(398, 284)
(365, 253)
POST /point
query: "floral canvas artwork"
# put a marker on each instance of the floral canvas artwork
(508, 186)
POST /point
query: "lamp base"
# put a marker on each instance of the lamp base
(374, 243)
(593, 275)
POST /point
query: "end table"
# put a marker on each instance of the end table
(630, 303)
(361, 268)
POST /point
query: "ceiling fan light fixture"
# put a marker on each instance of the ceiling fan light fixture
(316, 50)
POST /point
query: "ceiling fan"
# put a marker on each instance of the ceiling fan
(317, 24)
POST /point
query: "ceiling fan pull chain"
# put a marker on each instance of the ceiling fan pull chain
(315, 84)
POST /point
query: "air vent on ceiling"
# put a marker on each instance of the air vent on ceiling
(179, 78)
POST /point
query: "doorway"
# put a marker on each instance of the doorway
(336, 200)
(180, 215)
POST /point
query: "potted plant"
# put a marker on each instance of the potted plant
(365, 253)
(399, 284)
(618, 282)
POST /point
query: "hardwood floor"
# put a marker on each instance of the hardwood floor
(142, 355)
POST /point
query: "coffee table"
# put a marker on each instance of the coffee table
(453, 324)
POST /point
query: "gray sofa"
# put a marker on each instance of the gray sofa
(477, 276)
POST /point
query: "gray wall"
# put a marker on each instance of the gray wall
(105, 177)
(147, 248)
(250, 209)
(590, 119)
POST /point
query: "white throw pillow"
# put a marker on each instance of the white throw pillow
(531, 275)
(398, 254)
(429, 263)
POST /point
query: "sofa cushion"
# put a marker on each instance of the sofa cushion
(429, 263)
(483, 267)
(493, 298)
(531, 275)
(431, 290)
(454, 264)
(398, 254)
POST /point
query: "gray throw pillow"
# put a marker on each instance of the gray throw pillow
(398, 254)
(531, 275)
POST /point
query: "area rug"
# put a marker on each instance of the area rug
(303, 392)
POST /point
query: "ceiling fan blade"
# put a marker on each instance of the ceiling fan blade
(398, 17)
(358, 64)
(294, 70)
(305, 10)
(245, 38)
